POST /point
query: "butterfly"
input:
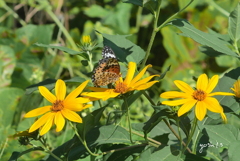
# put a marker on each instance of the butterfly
(108, 70)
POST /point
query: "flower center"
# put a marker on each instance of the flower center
(199, 95)
(121, 88)
(57, 106)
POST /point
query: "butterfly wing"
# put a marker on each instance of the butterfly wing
(108, 70)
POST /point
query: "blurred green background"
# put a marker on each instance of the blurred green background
(23, 23)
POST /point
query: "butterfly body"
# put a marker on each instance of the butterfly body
(108, 70)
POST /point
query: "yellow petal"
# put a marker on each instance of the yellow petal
(145, 86)
(59, 121)
(187, 106)
(213, 105)
(200, 110)
(47, 125)
(202, 82)
(224, 117)
(47, 94)
(87, 106)
(72, 116)
(130, 72)
(174, 94)
(38, 111)
(74, 106)
(139, 76)
(212, 84)
(221, 93)
(143, 81)
(110, 93)
(175, 102)
(60, 89)
(40, 122)
(85, 99)
(184, 87)
(233, 89)
(76, 91)
(97, 89)
(113, 95)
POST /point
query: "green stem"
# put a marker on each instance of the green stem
(193, 128)
(90, 60)
(129, 147)
(156, 29)
(82, 140)
(236, 47)
(62, 28)
(138, 18)
(154, 32)
(173, 16)
(179, 132)
(168, 125)
(220, 9)
(177, 136)
(129, 120)
(47, 149)
(149, 99)
(3, 147)
(11, 12)
(54, 156)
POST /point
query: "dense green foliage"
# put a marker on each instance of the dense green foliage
(41, 41)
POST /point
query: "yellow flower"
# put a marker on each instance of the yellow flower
(60, 109)
(201, 97)
(236, 88)
(122, 87)
(86, 39)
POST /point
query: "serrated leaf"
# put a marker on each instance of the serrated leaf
(124, 49)
(203, 38)
(234, 24)
(64, 49)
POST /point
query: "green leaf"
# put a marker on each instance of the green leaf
(119, 18)
(221, 134)
(7, 64)
(234, 24)
(166, 154)
(48, 83)
(164, 73)
(152, 5)
(203, 38)
(98, 136)
(9, 100)
(90, 121)
(233, 151)
(96, 11)
(135, 2)
(65, 49)
(139, 152)
(229, 103)
(124, 49)
(34, 33)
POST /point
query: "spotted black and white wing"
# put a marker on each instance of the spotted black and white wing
(107, 52)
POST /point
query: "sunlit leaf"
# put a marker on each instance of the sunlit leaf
(203, 38)
(234, 24)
